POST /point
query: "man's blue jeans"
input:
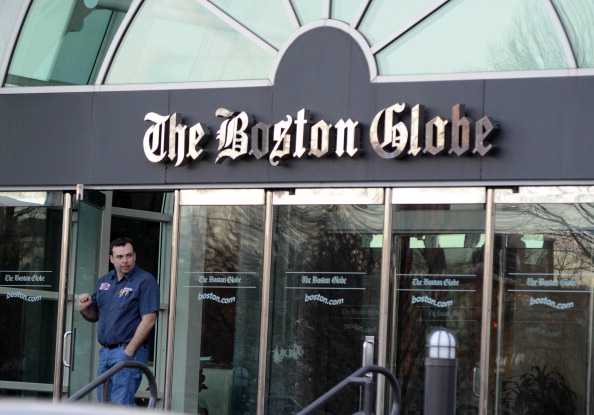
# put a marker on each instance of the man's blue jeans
(125, 383)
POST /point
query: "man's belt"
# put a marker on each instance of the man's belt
(114, 345)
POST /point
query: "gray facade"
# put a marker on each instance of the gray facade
(95, 137)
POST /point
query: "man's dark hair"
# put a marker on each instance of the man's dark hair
(120, 242)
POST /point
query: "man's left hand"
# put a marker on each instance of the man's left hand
(131, 356)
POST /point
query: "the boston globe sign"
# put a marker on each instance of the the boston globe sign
(395, 132)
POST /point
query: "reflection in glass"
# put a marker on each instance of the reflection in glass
(529, 42)
(30, 241)
(10, 18)
(63, 42)
(542, 330)
(385, 16)
(181, 41)
(578, 21)
(273, 26)
(437, 283)
(325, 297)
(476, 36)
(218, 310)
(308, 10)
(345, 10)
(30, 198)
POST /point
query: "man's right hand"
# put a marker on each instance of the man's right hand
(84, 301)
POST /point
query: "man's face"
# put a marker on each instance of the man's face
(123, 259)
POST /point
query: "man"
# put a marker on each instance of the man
(125, 302)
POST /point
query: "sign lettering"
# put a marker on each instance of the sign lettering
(395, 132)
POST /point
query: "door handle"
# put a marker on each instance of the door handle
(70, 362)
(368, 351)
(476, 380)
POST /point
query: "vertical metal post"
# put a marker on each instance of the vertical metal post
(266, 282)
(172, 302)
(384, 306)
(487, 300)
(368, 399)
(590, 348)
(105, 390)
(58, 370)
(366, 396)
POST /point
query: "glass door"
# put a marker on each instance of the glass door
(543, 298)
(30, 248)
(438, 240)
(97, 219)
(147, 217)
(80, 345)
(325, 293)
(218, 302)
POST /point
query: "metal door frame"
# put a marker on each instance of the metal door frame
(460, 195)
(209, 197)
(67, 268)
(389, 196)
(269, 199)
(310, 196)
(338, 196)
(518, 195)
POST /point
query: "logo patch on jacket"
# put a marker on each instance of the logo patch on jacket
(124, 292)
(104, 286)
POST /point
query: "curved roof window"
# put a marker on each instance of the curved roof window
(67, 41)
(206, 40)
(63, 42)
(383, 20)
(189, 40)
(505, 35)
(577, 17)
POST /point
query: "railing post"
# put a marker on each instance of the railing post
(105, 376)
(359, 377)
(105, 391)
(368, 397)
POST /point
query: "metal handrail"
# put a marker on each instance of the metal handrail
(358, 377)
(105, 376)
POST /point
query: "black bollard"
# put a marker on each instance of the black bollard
(440, 373)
